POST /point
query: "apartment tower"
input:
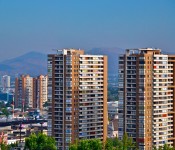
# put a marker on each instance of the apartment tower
(39, 91)
(24, 91)
(31, 92)
(146, 97)
(77, 93)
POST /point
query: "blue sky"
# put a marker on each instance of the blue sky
(41, 25)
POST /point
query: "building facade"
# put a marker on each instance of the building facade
(5, 82)
(24, 91)
(77, 93)
(30, 92)
(146, 97)
(39, 91)
(112, 109)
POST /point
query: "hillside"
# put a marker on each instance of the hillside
(32, 63)
(35, 63)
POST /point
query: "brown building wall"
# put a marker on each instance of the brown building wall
(20, 91)
(148, 100)
(75, 98)
(34, 93)
(16, 92)
(40, 93)
(24, 90)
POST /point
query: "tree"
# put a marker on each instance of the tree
(40, 142)
(127, 142)
(109, 144)
(116, 144)
(96, 144)
(45, 104)
(87, 144)
(5, 112)
(4, 146)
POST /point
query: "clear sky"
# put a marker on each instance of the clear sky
(40, 25)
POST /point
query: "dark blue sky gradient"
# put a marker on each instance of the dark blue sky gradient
(40, 25)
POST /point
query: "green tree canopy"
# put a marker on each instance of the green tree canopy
(4, 146)
(40, 142)
(116, 144)
(87, 144)
(5, 112)
(109, 144)
(126, 143)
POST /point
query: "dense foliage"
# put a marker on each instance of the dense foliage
(116, 144)
(4, 146)
(93, 144)
(110, 144)
(40, 142)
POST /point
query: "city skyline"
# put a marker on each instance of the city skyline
(26, 26)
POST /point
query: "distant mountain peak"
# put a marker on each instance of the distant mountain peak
(33, 63)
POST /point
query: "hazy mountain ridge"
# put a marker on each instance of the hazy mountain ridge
(32, 63)
(35, 63)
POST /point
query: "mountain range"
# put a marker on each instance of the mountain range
(35, 63)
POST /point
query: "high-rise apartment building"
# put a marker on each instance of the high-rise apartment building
(146, 97)
(39, 91)
(77, 92)
(24, 91)
(32, 92)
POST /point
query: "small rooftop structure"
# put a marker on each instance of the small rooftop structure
(142, 50)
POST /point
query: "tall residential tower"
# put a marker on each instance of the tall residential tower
(146, 97)
(31, 92)
(77, 93)
(39, 91)
(24, 91)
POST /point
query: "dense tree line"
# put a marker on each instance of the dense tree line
(44, 142)
(111, 144)
(4, 146)
(34, 142)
